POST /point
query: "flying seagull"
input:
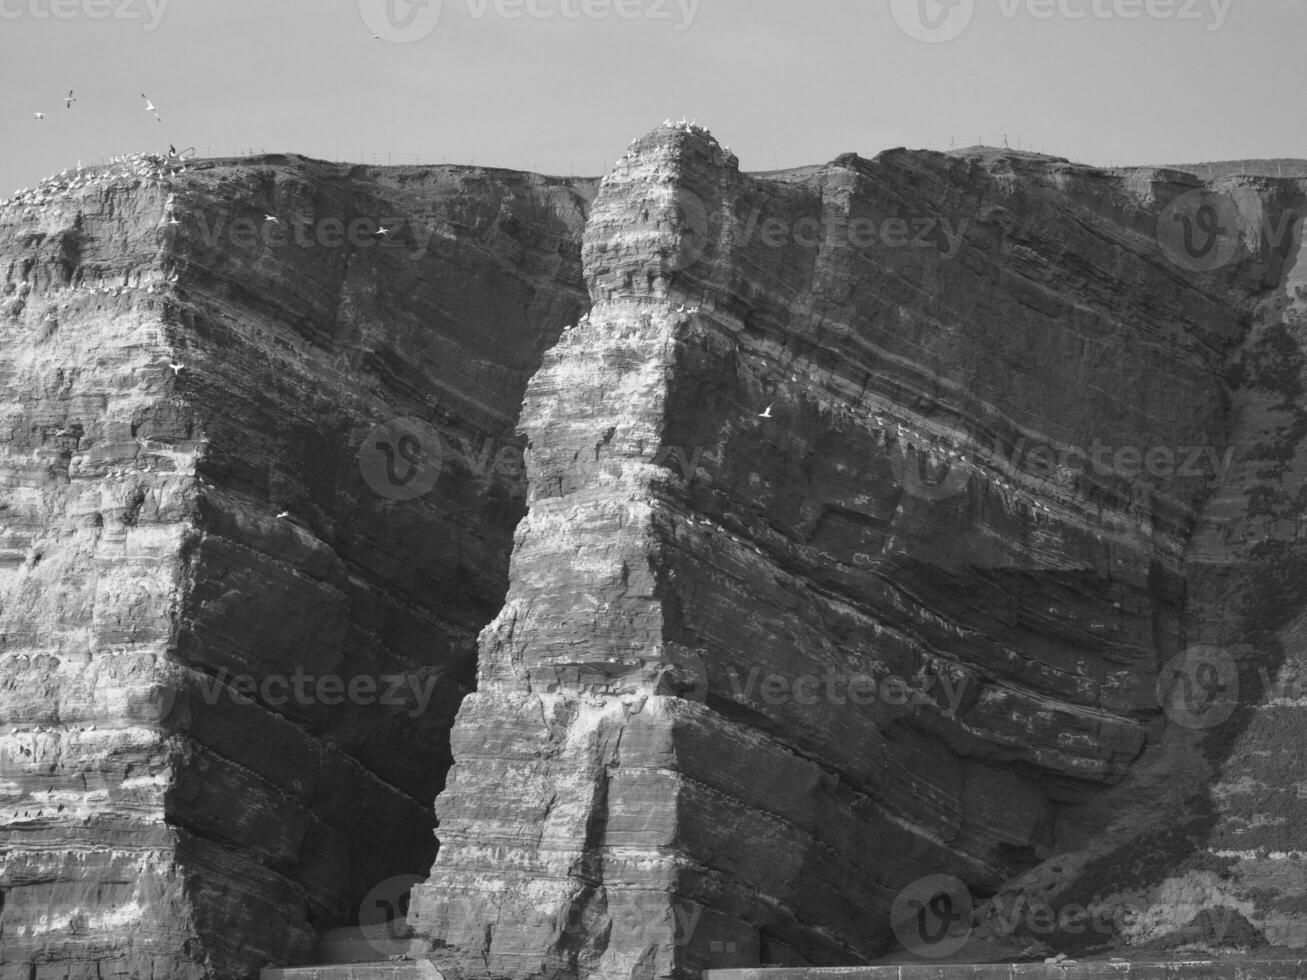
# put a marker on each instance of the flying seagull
(38, 115)
(176, 368)
(149, 106)
(68, 102)
(381, 232)
(766, 413)
(271, 217)
(377, 37)
(283, 515)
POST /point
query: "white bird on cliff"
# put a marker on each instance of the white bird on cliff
(766, 413)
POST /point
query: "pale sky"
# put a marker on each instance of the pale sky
(561, 86)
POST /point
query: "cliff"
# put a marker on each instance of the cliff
(233, 638)
(868, 510)
(779, 561)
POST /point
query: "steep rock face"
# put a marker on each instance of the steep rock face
(860, 531)
(1203, 846)
(235, 631)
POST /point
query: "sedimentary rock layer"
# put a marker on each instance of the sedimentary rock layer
(864, 515)
(233, 641)
(862, 518)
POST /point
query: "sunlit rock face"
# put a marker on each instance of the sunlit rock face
(867, 508)
(233, 641)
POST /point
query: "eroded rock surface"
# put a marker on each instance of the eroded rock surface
(211, 590)
(866, 509)
(863, 521)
